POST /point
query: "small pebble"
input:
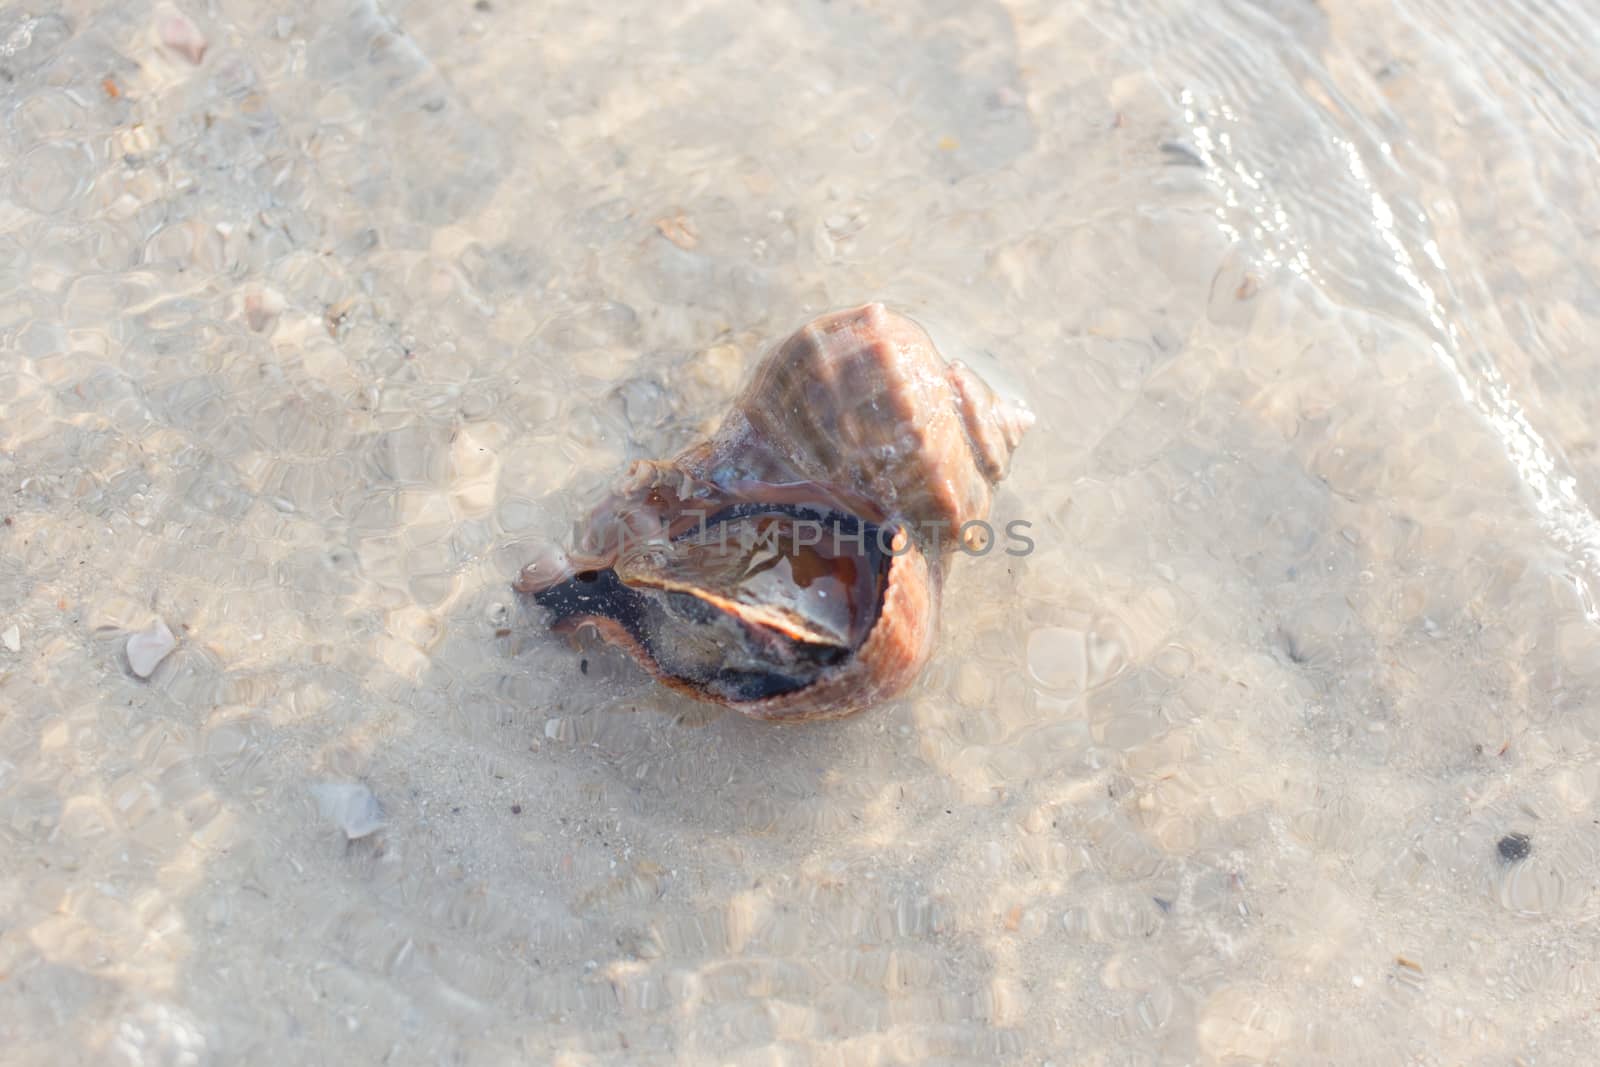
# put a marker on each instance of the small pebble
(351, 806)
(179, 33)
(12, 638)
(1514, 847)
(147, 648)
(262, 308)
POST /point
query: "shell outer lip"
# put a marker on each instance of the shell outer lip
(888, 661)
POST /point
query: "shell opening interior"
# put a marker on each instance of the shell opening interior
(755, 602)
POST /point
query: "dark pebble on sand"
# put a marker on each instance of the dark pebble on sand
(1514, 847)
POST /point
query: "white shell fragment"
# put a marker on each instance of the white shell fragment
(350, 806)
(12, 638)
(147, 648)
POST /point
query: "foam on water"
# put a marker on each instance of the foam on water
(1280, 746)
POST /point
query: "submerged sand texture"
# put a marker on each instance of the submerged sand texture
(1281, 747)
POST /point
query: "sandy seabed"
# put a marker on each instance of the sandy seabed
(1281, 747)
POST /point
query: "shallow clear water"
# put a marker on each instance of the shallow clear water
(309, 336)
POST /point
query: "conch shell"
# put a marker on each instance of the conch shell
(790, 566)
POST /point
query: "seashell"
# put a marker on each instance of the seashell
(790, 566)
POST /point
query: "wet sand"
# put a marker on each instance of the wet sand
(1280, 747)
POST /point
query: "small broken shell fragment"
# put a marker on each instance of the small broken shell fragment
(148, 647)
(350, 806)
(789, 567)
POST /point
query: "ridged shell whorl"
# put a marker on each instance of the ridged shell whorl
(861, 400)
(703, 568)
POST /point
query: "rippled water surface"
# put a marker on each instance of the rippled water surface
(1281, 747)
